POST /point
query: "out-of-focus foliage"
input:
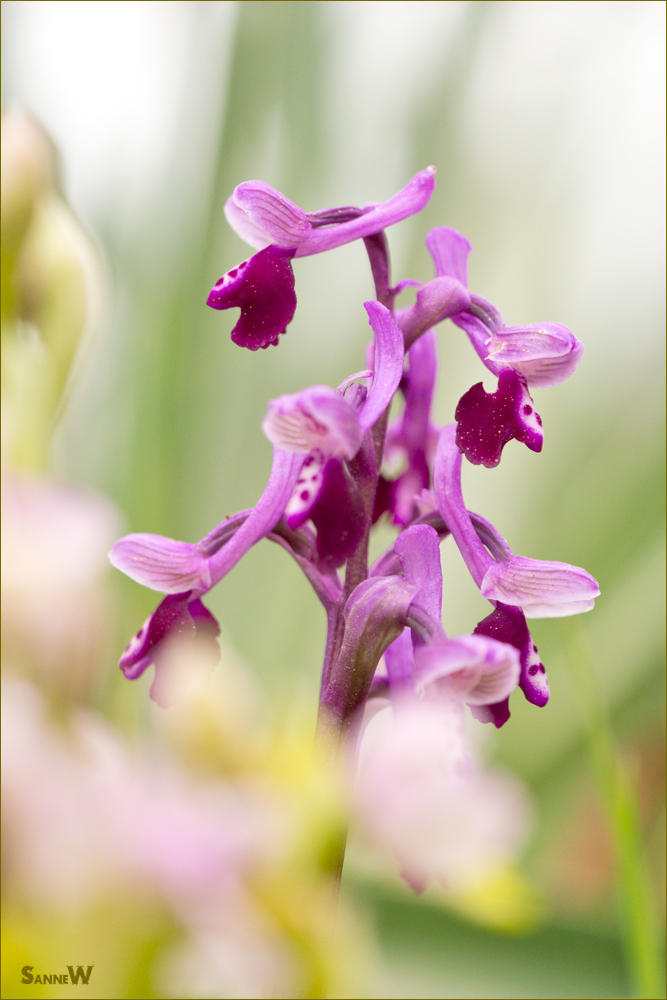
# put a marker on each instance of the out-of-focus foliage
(544, 122)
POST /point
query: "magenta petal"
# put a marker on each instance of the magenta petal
(338, 514)
(161, 563)
(315, 418)
(449, 250)
(544, 353)
(257, 208)
(498, 714)
(508, 624)
(306, 491)
(439, 299)
(171, 618)
(447, 488)
(474, 668)
(263, 289)
(487, 421)
(400, 661)
(409, 200)
(388, 366)
(418, 549)
(176, 617)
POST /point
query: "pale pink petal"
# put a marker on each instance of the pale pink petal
(543, 589)
(161, 563)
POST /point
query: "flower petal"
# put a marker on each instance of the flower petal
(544, 353)
(409, 200)
(388, 366)
(306, 491)
(338, 514)
(508, 624)
(262, 287)
(542, 589)
(170, 618)
(418, 549)
(316, 418)
(447, 488)
(487, 421)
(256, 211)
(436, 301)
(450, 251)
(176, 617)
(477, 669)
(161, 563)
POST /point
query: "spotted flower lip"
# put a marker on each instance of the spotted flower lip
(543, 353)
(508, 624)
(178, 616)
(262, 287)
(261, 216)
(487, 421)
(543, 589)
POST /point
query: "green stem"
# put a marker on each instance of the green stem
(619, 795)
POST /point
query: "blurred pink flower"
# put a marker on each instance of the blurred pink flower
(87, 816)
(54, 614)
(420, 798)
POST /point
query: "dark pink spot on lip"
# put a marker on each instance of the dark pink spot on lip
(304, 494)
(527, 409)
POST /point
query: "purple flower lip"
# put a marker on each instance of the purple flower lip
(486, 422)
(177, 616)
(508, 624)
(262, 216)
(263, 289)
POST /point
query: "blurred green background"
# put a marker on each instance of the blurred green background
(544, 121)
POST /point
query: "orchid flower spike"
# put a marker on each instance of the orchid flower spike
(313, 432)
(263, 286)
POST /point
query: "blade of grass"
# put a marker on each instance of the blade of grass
(618, 789)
